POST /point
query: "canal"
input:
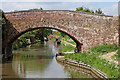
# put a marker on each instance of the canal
(38, 61)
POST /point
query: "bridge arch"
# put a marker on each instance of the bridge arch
(78, 44)
(72, 37)
(84, 28)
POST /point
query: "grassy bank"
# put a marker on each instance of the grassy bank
(67, 48)
(110, 69)
(103, 49)
(92, 58)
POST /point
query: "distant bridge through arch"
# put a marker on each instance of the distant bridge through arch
(87, 30)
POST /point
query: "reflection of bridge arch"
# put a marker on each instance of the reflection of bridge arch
(87, 29)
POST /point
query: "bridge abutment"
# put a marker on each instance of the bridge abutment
(117, 19)
(78, 48)
(7, 52)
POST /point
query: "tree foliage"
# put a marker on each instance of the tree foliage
(36, 9)
(99, 11)
(3, 20)
(47, 32)
(82, 9)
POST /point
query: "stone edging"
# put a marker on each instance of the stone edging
(97, 73)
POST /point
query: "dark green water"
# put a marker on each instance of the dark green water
(38, 61)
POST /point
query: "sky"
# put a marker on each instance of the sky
(109, 8)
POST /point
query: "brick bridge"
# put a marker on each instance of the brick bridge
(87, 30)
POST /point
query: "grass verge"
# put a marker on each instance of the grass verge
(91, 58)
(100, 50)
(67, 48)
(110, 69)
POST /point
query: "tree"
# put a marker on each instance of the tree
(47, 32)
(99, 11)
(36, 9)
(81, 9)
(3, 20)
(87, 10)
(92, 11)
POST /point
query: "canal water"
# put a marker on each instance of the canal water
(38, 61)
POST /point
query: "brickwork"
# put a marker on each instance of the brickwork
(88, 30)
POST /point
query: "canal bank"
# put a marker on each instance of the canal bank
(79, 66)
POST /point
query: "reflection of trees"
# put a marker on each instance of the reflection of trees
(37, 59)
(35, 64)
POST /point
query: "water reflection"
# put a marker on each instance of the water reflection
(36, 61)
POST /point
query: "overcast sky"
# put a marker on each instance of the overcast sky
(109, 8)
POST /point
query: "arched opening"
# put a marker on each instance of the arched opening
(18, 31)
(77, 44)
